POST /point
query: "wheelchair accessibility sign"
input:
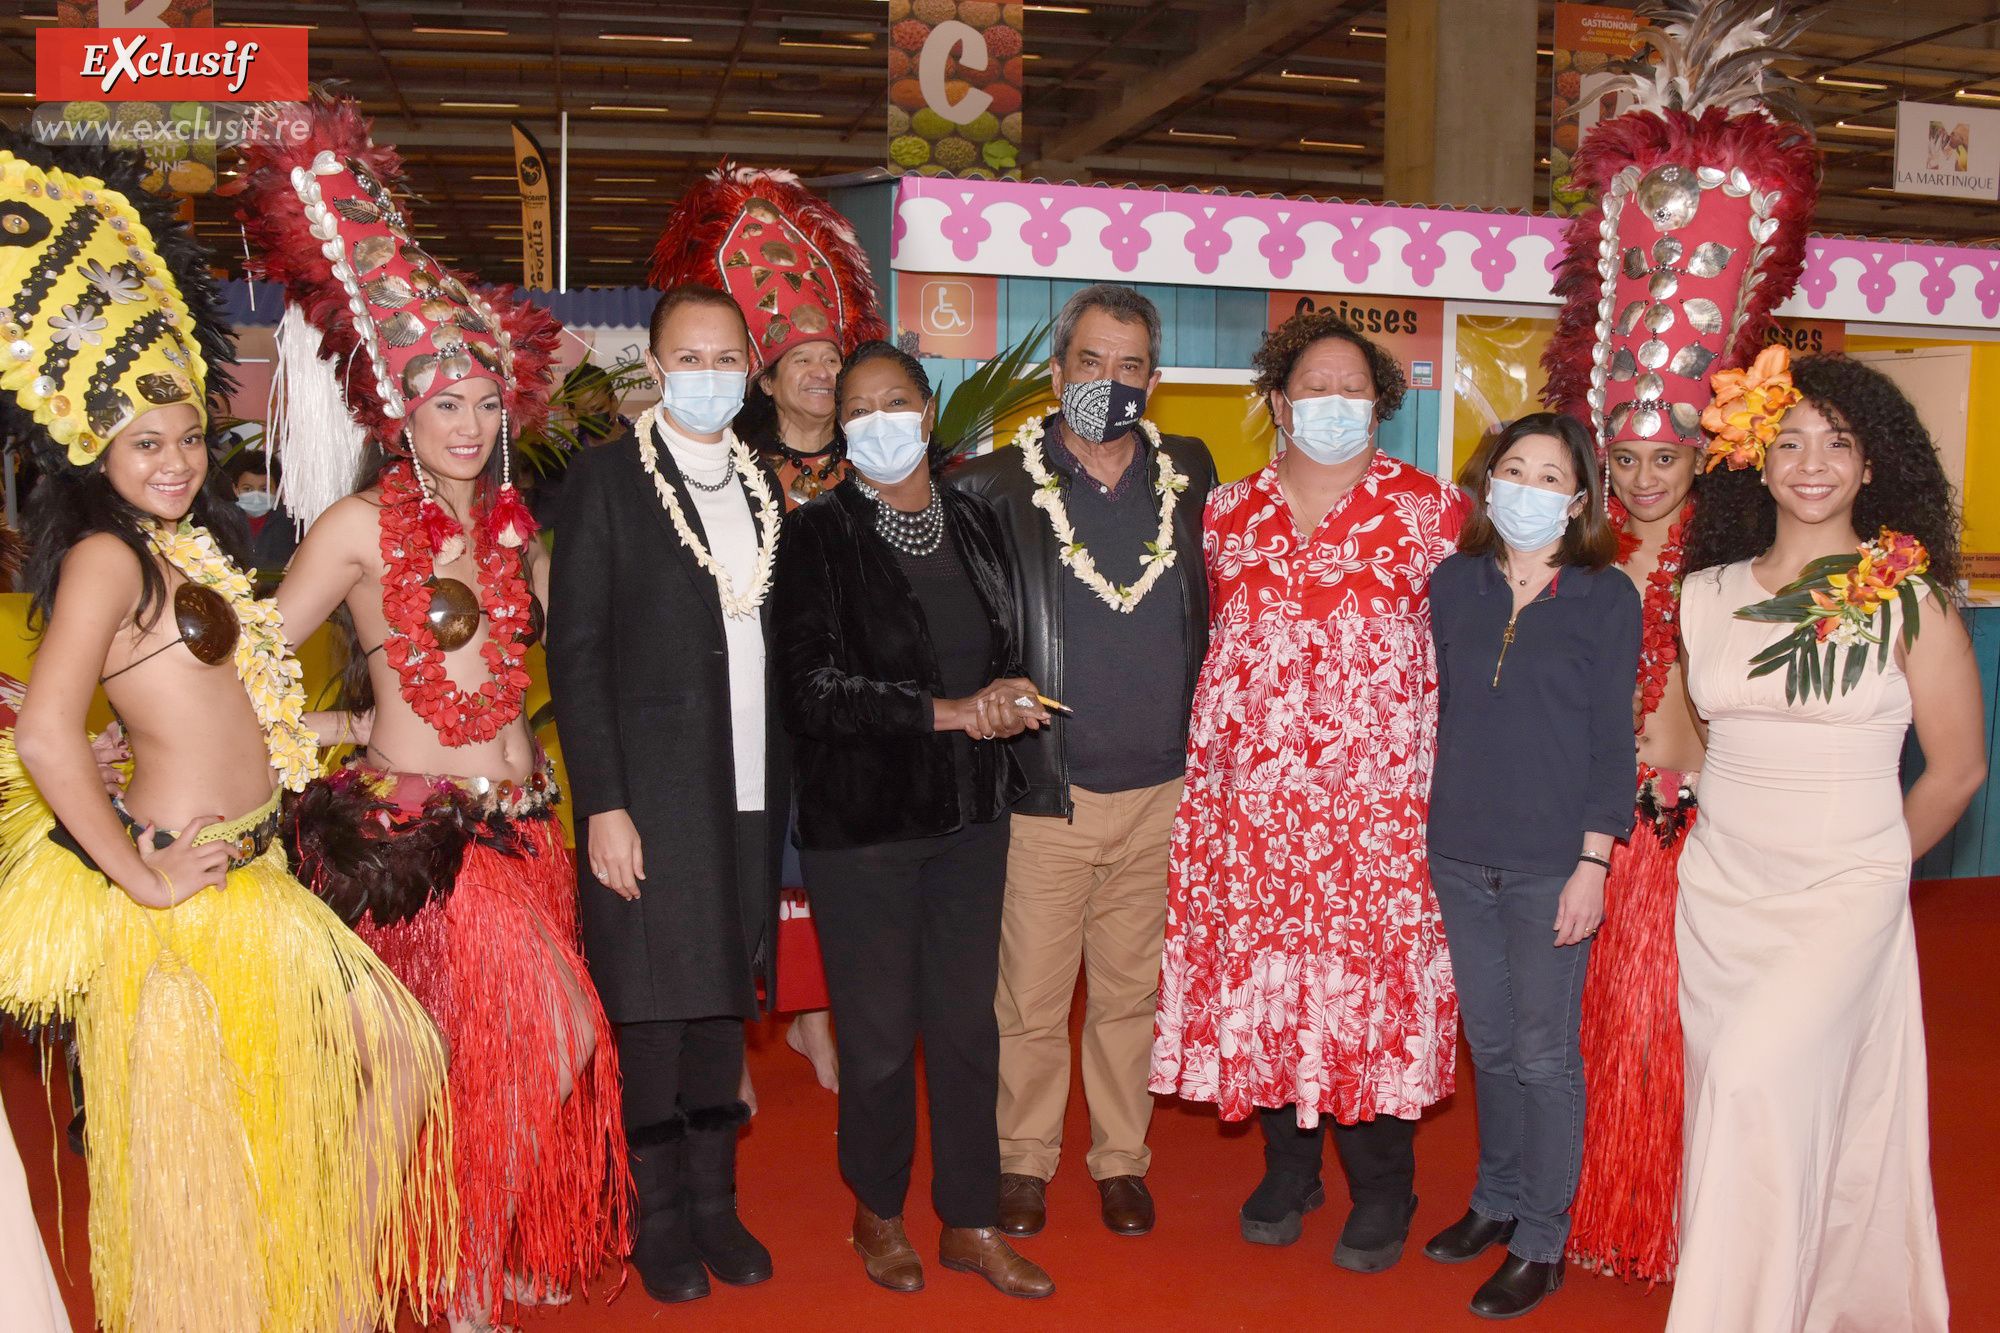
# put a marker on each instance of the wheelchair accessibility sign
(952, 316)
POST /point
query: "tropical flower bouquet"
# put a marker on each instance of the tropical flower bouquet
(1843, 602)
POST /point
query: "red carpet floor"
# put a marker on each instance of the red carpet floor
(1193, 1272)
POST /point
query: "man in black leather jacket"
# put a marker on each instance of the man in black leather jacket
(1115, 619)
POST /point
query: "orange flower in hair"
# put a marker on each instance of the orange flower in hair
(1743, 419)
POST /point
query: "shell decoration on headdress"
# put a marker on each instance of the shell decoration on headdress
(1704, 197)
(792, 264)
(106, 307)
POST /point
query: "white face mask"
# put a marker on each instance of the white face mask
(703, 401)
(1527, 517)
(886, 446)
(255, 503)
(1332, 429)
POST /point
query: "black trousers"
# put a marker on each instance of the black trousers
(678, 1065)
(1378, 1156)
(910, 934)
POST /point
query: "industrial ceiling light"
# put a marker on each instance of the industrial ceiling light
(790, 115)
(1326, 143)
(1855, 85)
(1968, 95)
(1369, 34)
(484, 106)
(823, 46)
(461, 32)
(639, 37)
(1853, 128)
(656, 110)
(1201, 134)
(1316, 78)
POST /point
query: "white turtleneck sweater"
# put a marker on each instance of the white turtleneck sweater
(729, 525)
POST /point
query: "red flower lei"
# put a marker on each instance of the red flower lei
(408, 562)
(1659, 646)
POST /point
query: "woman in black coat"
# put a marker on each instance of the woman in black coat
(657, 662)
(898, 651)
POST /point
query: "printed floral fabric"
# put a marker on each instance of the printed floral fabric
(1305, 960)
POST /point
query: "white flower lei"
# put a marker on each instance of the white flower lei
(1160, 553)
(737, 606)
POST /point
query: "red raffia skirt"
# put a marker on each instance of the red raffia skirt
(544, 1186)
(1625, 1221)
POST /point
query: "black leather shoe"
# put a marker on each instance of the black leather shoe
(1274, 1214)
(1374, 1235)
(1517, 1288)
(1468, 1238)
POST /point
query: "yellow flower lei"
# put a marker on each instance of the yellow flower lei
(264, 662)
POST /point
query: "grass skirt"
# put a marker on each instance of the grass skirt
(224, 1046)
(483, 961)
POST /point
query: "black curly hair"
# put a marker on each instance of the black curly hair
(1736, 519)
(1284, 345)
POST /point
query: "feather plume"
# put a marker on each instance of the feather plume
(1713, 53)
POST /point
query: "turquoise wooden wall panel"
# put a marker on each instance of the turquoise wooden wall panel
(1972, 848)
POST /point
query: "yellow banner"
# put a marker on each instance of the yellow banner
(537, 225)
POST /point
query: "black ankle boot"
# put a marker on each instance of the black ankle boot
(1516, 1288)
(726, 1246)
(1274, 1214)
(1373, 1237)
(663, 1248)
(1468, 1238)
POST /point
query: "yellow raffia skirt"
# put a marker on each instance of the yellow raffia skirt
(238, 1054)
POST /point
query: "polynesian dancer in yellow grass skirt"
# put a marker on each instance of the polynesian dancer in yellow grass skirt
(266, 1110)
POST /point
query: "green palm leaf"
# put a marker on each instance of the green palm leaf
(1010, 383)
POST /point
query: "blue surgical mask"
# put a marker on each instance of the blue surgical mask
(886, 446)
(1332, 429)
(254, 503)
(1526, 517)
(703, 401)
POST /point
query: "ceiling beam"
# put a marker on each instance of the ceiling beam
(1262, 26)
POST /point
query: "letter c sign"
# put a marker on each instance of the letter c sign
(970, 45)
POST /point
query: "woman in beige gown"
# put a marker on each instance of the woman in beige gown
(30, 1301)
(1807, 1196)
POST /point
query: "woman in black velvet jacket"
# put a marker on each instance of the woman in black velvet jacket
(896, 646)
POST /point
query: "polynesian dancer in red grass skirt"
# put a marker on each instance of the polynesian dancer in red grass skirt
(439, 841)
(1699, 234)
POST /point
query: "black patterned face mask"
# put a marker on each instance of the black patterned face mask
(1101, 410)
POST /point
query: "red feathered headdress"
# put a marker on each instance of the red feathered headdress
(1699, 231)
(372, 319)
(792, 263)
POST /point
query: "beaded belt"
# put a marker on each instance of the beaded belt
(247, 835)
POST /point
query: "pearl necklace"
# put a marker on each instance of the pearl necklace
(917, 534)
(712, 487)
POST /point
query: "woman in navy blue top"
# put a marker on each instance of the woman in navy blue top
(1538, 653)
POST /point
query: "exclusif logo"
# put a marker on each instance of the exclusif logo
(170, 64)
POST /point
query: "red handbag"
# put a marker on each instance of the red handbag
(801, 974)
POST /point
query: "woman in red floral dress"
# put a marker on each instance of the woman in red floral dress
(1305, 972)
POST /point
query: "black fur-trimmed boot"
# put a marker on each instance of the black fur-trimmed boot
(725, 1245)
(663, 1249)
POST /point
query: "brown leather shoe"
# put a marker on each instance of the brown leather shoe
(1024, 1209)
(1127, 1204)
(983, 1250)
(886, 1253)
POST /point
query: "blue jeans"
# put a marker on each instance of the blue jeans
(1520, 1001)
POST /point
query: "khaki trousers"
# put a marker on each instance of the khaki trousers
(1091, 892)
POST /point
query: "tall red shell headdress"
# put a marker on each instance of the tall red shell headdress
(1704, 197)
(374, 325)
(792, 264)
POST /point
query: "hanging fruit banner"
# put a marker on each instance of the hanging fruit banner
(1590, 41)
(955, 88)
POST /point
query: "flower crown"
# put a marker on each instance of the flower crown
(1743, 418)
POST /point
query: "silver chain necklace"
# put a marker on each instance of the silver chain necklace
(917, 534)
